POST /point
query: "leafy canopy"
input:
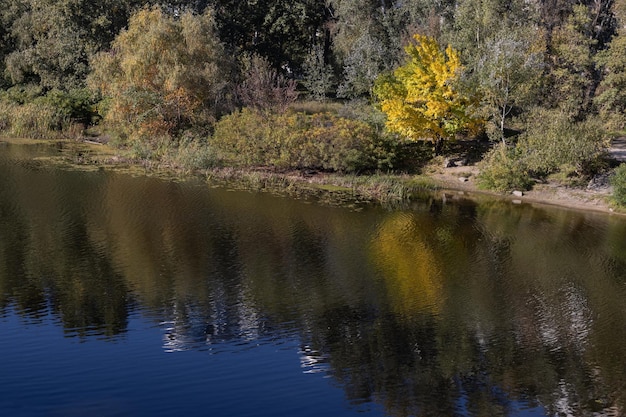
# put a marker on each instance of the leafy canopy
(165, 73)
(421, 98)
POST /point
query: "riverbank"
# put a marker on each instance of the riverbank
(594, 197)
(388, 189)
(454, 182)
(448, 181)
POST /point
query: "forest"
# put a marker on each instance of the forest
(349, 86)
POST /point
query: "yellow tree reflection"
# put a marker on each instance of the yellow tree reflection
(409, 265)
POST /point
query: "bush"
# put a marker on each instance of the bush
(244, 138)
(503, 169)
(21, 94)
(193, 154)
(77, 105)
(332, 143)
(298, 141)
(618, 181)
(553, 143)
(263, 88)
(24, 112)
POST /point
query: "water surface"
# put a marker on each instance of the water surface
(124, 295)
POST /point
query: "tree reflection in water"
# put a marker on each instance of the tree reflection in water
(436, 309)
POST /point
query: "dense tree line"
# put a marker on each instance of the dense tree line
(175, 68)
(570, 48)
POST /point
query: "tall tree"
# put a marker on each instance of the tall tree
(611, 95)
(432, 17)
(163, 74)
(51, 40)
(283, 31)
(367, 59)
(572, 76)
(507, 77)
(574, 32)
(366, 40)
(498, 43)
(422, 99)
(477, 22)
(318, 74)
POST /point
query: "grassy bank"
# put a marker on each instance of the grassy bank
(391, 190)
(333, 188)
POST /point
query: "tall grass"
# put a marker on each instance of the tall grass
(36, 120)
(31, 120)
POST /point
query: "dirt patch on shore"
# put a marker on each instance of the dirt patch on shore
(595, 197)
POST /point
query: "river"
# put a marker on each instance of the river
(129, 295)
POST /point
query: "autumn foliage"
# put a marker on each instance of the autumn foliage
(421, 98)
(163, 75)
(322, 141)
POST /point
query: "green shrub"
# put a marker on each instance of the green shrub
(77, 105)
(244, 138)
(21, 94)
(328, 142)
(193, 154)
(24, 112)
(618, 181)
(553, 143)
(297, 141)
(156, 149)
(503, 169)
(363, 110)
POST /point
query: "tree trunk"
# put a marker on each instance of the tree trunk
(438, 146)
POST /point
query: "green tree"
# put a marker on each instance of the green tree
(363, 64)
(368, 35)
(478, 22)
(507, 77)
(422, 99)
(611, 95)
(351, 20)
(49, 41)
(433, 16)
(283, 31)
(574, 33)
(318, 74)
(572, 76)
(366, 40)
(502, 48)
(164, 74)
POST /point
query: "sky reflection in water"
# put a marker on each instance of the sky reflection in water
(122, 295)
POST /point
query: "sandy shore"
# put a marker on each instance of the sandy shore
(596, 198)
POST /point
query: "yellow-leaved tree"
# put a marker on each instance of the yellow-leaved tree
(421, 98)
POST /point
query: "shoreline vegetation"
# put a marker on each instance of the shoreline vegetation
(375, 99)
(391, 190)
